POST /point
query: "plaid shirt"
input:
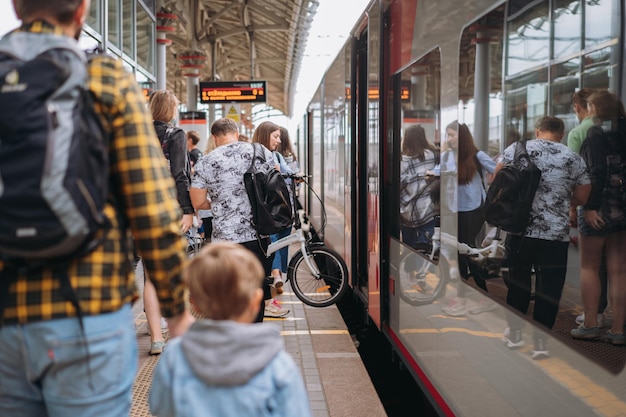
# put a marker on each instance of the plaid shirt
(143, 185)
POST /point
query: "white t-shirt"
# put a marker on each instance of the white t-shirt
(220, 172)
(561, 171)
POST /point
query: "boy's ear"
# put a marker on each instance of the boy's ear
(255, 301)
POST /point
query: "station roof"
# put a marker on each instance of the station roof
(237, 40)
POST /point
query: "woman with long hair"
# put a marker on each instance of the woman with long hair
(417, 209)
(471, 195)
(268, 134)
(602, 223)
(163, 105)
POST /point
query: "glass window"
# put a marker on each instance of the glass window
(528, 40)
(602, 21)
(127, 24)
(113, 17)
(565, 80)
(601, 69)
(93, 19)
(417, 95)
(145, 39)
(150, 5)
(567, 27)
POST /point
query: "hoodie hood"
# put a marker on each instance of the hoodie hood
(227, 353)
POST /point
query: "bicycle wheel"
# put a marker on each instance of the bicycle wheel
(322, 290)
(419, 285)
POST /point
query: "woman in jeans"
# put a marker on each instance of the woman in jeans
(471, 195)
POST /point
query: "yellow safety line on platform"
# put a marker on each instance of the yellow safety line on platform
(312, 332)
(604, 402)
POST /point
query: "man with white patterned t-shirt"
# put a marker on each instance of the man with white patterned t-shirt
(219, 175)
(544, 245)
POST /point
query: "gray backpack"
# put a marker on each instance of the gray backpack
(54, 168)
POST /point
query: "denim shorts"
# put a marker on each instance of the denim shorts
(585, 229)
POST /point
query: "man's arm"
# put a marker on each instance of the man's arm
(580, 194)
(199, 199)
(145, 189)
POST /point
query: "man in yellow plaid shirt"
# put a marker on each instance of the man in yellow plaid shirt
(48, 367)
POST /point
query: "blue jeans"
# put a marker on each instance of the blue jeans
(46, 370)
(282, 255)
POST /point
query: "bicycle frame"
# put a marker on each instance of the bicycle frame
(297, 237)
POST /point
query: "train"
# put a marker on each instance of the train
(497, 66)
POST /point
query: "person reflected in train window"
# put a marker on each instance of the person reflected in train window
(577, 135)
(471, 195)
(575, 138)
(225, 363)
(417, 209)
(602, 222)
(543, 246)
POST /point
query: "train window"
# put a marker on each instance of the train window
(417, 95)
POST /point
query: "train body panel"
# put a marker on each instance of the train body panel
(495, 66)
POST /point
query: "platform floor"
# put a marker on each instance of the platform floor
(317, 338)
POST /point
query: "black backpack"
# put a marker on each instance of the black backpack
(54, 169)
(510, 196)
(269, 197)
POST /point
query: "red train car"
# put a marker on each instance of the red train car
(496, 66)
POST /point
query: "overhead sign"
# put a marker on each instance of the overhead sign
(229, 91)
(233, 111)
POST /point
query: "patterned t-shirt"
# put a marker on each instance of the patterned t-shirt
(561, 171)
(221, 173)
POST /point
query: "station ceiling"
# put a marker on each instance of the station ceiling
(237, 40)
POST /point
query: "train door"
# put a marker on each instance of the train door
(366, 239)
(359, 174)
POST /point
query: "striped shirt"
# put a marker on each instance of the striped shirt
(142, 184)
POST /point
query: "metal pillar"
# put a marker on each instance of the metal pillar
(482, 73)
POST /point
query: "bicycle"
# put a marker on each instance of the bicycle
(318, 274)
(425, 285)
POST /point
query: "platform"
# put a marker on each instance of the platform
(317, 339)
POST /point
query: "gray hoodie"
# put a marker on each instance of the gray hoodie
(227, 353)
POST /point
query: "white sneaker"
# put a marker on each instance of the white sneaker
(456, 307)
(540, 350)
(278, 283)
(513, 340)
(275, 309)
(483, 306)
(581, 319)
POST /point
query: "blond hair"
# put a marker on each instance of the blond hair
(222, 279)
(163, 104)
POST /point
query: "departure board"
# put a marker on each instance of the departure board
(232, 91)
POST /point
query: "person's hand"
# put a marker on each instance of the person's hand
(593, 219)
(573, 218)
(179, 324)
(186, 223)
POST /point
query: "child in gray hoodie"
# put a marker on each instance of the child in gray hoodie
(225, 365)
